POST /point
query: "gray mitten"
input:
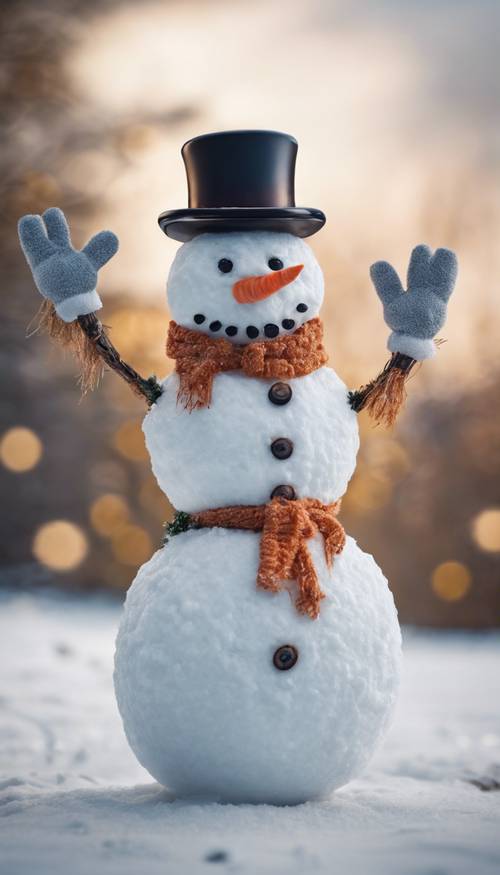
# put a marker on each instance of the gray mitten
(62, 274)
(415, 316)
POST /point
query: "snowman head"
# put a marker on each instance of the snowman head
(245, 286)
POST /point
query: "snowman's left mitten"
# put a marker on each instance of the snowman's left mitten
(416, 315)
(64, 275)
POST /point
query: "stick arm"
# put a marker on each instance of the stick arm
(94, 331)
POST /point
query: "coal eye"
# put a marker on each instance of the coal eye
(225, 265)
(275, 263)
(285, 657)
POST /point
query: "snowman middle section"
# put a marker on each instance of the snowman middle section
(256, 435)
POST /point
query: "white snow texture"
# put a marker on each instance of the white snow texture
(203, 706)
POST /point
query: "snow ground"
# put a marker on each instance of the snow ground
(73, 798)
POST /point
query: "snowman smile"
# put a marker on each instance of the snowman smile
(270, 329)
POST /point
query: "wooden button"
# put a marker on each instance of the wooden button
(280, 393)
(285, 657)
(284, 491)
(282, 448)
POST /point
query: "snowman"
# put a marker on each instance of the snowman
(258, 656)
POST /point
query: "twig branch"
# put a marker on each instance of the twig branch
(384, 396)
(95, 333)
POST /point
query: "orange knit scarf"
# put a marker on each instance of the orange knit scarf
(199, 358)
(286, 525)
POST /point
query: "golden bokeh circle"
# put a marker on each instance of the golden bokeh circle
(129, 441)
(486, 529)
(60, 545)
(368, 491)
(109, 513)
(451, 581)
(20, 449)
(154, 500)
(132, 545)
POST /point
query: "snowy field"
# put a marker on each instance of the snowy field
(74, 800)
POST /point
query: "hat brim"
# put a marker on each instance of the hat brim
(185, 224)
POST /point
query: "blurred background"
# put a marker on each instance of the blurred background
(395, 107)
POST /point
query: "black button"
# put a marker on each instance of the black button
(215, 326)
(225, 265)
(280, 393)
(301, 308)
(271, 330)
(284, 491)
(282, 448)
(231, 330)
(285, 657)
(199, 318)
(288, 324)
(252, 332)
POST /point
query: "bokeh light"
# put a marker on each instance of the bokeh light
(154, 501)
(140, 334)
(451, 581)
(129, 441)
(20, 449)
(60, 545)
(369, 490)
(384, 453)
(486, 529)
(132, 545)
(109, 514)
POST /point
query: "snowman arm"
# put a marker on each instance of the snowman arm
(99, 345)
(67, 278)
(88, 340)
(415, 316)
(384, 396)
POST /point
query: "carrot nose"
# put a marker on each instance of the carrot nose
(256, 288)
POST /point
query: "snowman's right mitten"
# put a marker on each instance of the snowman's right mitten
(416, 315)
(62, 274)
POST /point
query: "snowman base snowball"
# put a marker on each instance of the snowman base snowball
(204, 709)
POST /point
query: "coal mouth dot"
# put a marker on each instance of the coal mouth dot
(269, 330)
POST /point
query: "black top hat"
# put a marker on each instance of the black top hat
(240, 181)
